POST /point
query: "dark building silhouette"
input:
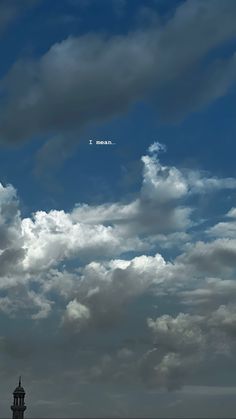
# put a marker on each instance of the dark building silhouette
(18, 406)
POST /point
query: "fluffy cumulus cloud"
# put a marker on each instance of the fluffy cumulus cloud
(93, 77)
(88, 269)
(43, 242)
(106, 288)
(53, 237)
(161, 205)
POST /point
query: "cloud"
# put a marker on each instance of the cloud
(224, 318)
(92, 77)
(197, 89)
(224, 229)
(76, 314)
(156, 209)
(147, 302)
(180, 334)
(53, 237)
(9, 216)
(161, 206)
(163, 183)
(212, 258)
(180, 346)
(211, 293)
(25, 301)
(200, 182)
(11, 240)
(81, 256)
(185, 343)
(105, 289)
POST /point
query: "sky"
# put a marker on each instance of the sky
(117, 259)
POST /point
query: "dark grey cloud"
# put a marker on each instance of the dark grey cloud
(187, 342)
(211, 294)
(92, 77)
(52, 155)
(196, 89)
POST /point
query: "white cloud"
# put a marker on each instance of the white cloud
(232, 213)
(107, 287)
(161, 183)
(225, 229)
(53, 237)
(76, 313)
(200, 183)
(154, 211)
(37, 251)
(161, 206)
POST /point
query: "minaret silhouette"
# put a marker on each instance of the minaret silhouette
(18, 406)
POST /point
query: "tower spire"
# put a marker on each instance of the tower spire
(18, 407)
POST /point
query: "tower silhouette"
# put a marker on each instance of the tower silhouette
(18, 406)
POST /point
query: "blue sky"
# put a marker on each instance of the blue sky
(117, 262)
